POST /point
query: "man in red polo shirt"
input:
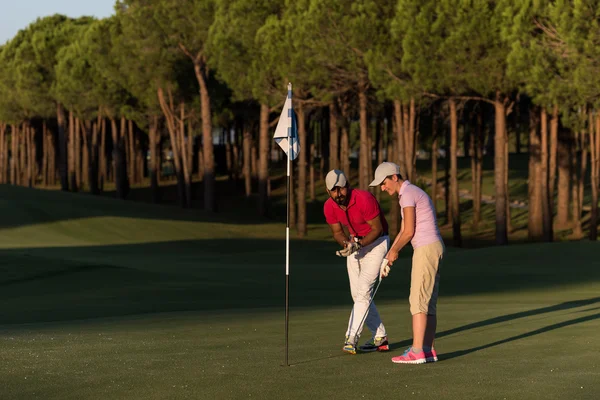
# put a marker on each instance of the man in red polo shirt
(364, 249)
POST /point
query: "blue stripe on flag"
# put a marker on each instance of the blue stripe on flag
(289, 112)
(289, 94)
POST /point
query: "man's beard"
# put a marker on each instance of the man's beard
(342, 200)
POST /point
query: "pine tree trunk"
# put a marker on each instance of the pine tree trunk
(364, 159)
(509, 225)
(28, 132)
(454, 197)
(553, 156)
(187, 176)
(77, 151)
(168, 111)
(247, 161)
(301, 225)
(595, 175)
(399, 127)
(254, 160)
(379, 140)
(576, 182)
(2, 152)
(102, 155)
(263, 160)
(546, 204)
(499, 170)
(73, 183)
(91, 132)
(473, 156)
(14, 139)
(63, 165)
(534, 183)
(447, 178)
(26, 179)
(409, 136)
(45, 154)
(394, 222)
(154, 165)
(236, 162)
(23, 156)
(311, 173)
(334, 159)
(564, 187)
(345, 150)
(85, 155)
(208, 149)
(369, 163)
(229, 159)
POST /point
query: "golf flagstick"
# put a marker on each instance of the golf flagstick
(287, 139)
(383, 264)
(287, 228)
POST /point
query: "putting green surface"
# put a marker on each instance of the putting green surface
(104, 299)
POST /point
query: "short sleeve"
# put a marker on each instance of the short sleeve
(370, 207)
(408, 199)
(330, 216)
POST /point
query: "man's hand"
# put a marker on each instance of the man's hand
(384, 270)
(391, 256)
(350, 248)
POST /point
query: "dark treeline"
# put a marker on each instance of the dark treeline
(200, 84)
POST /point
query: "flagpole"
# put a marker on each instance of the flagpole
(287, 229)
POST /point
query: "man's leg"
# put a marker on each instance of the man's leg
(353, 277)
(375, 258)
(370, 261)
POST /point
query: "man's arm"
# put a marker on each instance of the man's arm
(376, 230)
(338, 234)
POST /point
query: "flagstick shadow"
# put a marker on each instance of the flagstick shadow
(449, 356)
(317, 359)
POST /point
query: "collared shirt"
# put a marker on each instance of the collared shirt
(426, 227)
(362, 207)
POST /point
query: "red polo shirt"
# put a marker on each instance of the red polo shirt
(362, 207)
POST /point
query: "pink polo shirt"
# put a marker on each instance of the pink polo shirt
(362, 207)
(426, 229)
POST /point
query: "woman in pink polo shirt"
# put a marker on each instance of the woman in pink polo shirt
(419, 227)
(359, 212)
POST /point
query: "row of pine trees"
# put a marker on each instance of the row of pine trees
(84, 101)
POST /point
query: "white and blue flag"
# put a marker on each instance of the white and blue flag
(287, 127)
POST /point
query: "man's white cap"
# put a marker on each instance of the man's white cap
(383, 171)
(334, 178)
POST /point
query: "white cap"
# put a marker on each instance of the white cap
(383, 171)
(334, 178)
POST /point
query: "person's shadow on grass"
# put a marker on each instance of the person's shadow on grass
(509, 317)
(448, 356)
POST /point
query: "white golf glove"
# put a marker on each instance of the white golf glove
(384, 270)
(350, 248)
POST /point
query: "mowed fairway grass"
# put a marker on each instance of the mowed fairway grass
(106, 299)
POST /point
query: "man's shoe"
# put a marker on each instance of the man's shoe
(410, 357)
(430, 355)
(349, 347)
(376, 344)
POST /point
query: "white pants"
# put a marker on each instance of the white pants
(363, 273)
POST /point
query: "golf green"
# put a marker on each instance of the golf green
(105, 299)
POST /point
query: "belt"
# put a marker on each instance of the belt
(381, 235)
